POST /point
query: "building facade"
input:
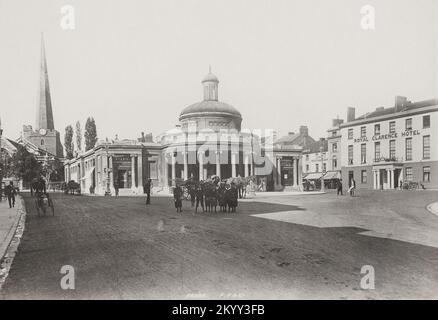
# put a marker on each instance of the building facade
(208, 140)
(389, 146)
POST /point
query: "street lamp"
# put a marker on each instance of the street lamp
(322, 169)
(107, 191)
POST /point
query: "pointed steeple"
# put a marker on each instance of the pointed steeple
(44, 119)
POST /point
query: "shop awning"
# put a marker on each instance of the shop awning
(313, 176)
(332, 175)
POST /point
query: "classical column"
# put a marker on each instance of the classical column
(218, 163)
(295, 172)
(132, 171)
(392, 179)
(96, 177)
(251, 164)
(233, 164)
(111, 174)
(186, 167)
(374, 179)
(300, 173)
(173, 169)
(246, 166)
(140, 173)
(388, 179)
(279, 171)
(378, 178)
(166, 169)
(201, 165)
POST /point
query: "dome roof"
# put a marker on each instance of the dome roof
(210, 77)
(209, 107)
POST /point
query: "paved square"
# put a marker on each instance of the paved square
(310, 246)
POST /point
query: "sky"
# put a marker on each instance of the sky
(134, 65)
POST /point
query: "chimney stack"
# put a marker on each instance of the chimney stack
(400, 103)
(351, 114)
(337, 122)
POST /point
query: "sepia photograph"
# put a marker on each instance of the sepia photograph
(201, 150)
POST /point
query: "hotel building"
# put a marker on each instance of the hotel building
(388, 146)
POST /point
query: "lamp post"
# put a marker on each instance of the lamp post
(107, 191)
(322, 169)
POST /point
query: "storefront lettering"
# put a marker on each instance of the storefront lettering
(407, 133)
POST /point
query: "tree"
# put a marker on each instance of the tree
(53, 170)
(24, 166)
(68, 141)
(90, 134)
(78, 136)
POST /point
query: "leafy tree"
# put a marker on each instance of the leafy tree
(53, 170)
(90, 134)
(78, 136)
(68, 141)
(24, 166)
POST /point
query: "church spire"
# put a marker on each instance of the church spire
(44, 118)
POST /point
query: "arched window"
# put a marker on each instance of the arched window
(42, 142)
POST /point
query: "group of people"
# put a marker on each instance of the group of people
(351, 189)
(208, 195)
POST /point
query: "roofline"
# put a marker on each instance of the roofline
(395, 115)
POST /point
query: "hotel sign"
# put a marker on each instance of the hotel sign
(395, 135)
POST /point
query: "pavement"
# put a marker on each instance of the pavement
(433, 208)
(8, 223)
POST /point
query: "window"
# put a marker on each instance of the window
(363, 176)
(350, 154)
(317, 167)
(363, 153)
(363, 132)
(409, 174)
(334, 133)
(307, 168)
(334, 164)
(409, 124)
(392, 127)
(426, 174)
(324, 167)
(408, 149)
(426, 122)
(42, 142)
(350, 134)
(376, 129)
(426, 147)
(334, 147)
(377, 151)
(307, 157)
(392, 149)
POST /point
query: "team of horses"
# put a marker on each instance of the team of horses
(212, 193)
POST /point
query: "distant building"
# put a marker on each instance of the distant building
(44, 136)
(389, 146)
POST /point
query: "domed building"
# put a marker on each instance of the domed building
(209, 140)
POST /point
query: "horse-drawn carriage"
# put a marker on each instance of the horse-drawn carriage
(43, 202)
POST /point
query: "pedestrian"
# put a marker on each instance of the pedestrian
(352, 187)
(199, 198)
(10, 193)
(339, 187)
(116, 188)
(177, 197)
(147, 190)
(192, 192)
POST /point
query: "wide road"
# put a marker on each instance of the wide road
(307, 247)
